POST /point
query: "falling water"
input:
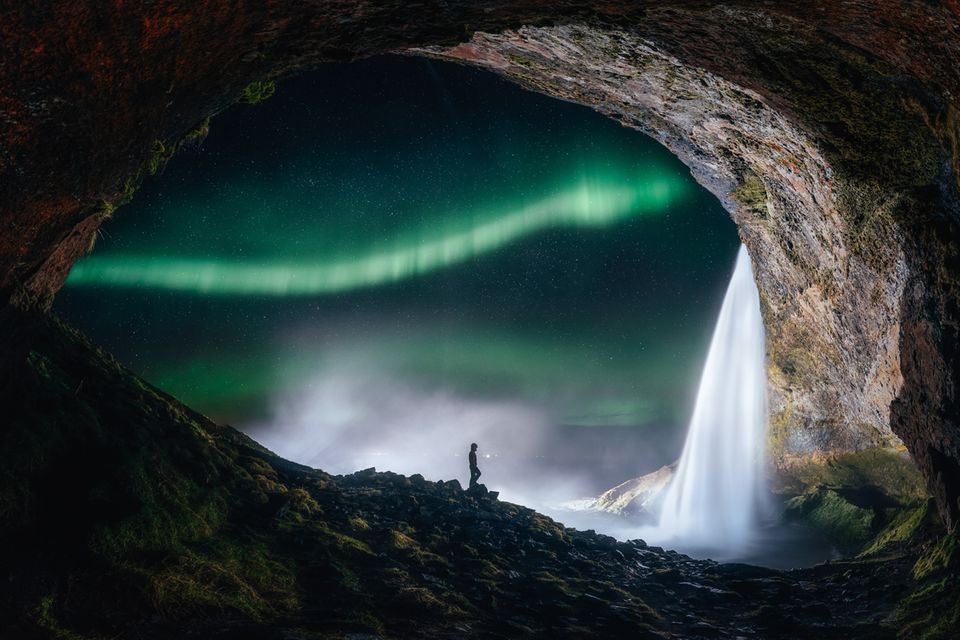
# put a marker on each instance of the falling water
(714, 498)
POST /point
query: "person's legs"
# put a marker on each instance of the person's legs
(474, 474)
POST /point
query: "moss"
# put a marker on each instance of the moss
(299, 506)
(413, 551)
(160, 154)
(46, 620)
(258, 467)
(521, 61)
(40, 364)
(487, 569)
(844, 522)
(940, 556)
(198, 134)
(547, 525)
(368, 622)
(613, 591)
(119, 505)
(348, 577)
(303, 502)
(870, 217)
(905, 527)
(105, 210)
(930, 613)
(128, 189)
(890, 470)
(751, 194)
(550, 581)
(153, 519)
(344, 542)
(780, 426)
(862, 114)
(242, 578)
(258, 91)
(866, 501)
(167, 514)
(400, 540)
(426, 600)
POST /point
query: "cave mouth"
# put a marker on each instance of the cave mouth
(568, 345)
(829, 133)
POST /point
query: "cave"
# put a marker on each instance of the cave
(829, 133)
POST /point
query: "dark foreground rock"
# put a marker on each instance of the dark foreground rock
(124, 514)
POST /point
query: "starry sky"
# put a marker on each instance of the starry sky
(411, 225)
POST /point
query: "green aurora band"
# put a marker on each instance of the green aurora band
(593, 203)
(447, 234)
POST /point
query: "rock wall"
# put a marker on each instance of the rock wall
(829, 131)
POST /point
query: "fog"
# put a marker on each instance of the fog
(350, 417)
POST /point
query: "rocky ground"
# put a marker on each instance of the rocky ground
(124, 514)
(829, 130)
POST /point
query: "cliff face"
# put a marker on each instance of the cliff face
(830, 132)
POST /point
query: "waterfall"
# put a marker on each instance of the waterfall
(713, 500)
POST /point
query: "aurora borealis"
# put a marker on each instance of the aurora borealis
(424, 246)
(589, 204)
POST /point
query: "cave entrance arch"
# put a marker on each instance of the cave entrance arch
(827, 188)
(618, 340)
(826, 131)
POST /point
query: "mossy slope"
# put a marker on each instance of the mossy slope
(124, 514)
(864, 501)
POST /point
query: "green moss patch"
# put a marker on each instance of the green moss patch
(943, 555)
(751, 194)
(239, 578)
(866, 502)
(159, 522)
(46, 619)
(844, 522)
(892, 472)
(932, 612)
(257, 91)
(905, 527)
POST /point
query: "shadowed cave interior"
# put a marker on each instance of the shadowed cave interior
(127, 514)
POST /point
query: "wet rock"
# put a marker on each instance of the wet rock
(478, 490)
(631, 498)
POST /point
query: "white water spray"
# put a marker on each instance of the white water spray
(713, 500)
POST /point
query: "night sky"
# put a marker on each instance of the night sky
(397, 233)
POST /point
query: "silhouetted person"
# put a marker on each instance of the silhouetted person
(474, 469)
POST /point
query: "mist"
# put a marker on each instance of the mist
(352, 416)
